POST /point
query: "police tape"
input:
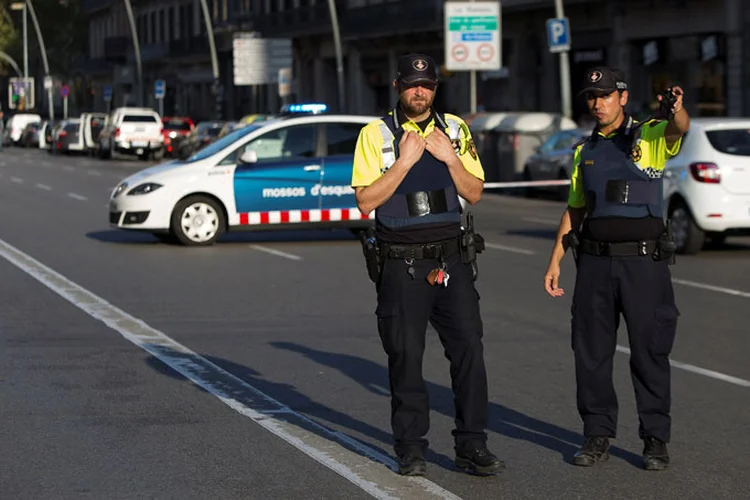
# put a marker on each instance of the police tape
(514, 184)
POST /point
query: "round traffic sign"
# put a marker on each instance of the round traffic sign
(485, 52)
(460, 52)
(64, 91)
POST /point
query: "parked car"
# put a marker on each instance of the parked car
(30, 135)
(553, 160)
(132, 131)
(68, 137)
(202, 135)
(707, 185)
(17, 123)
(174, 131)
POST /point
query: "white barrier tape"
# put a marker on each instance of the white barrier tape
(561, 182)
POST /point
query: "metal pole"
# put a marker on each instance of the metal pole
(50, 101)
(473, 91)
(25, 47)
(161, 107)
(65, 108)
(339, 54)
(567, 107)
(12, 62)
(136, 49)
(214, 58)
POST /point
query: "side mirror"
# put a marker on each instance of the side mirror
(249, 157)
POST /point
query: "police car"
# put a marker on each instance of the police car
(284, 173)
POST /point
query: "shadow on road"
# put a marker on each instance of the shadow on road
(502, 420)
(263, 395)
(239, 237)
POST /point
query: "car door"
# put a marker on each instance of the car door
(280, 186)
(560, 158)
(336, 191)
(536, 163)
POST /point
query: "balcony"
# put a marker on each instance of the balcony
(116, 48)
(188, 46)
(391, 18)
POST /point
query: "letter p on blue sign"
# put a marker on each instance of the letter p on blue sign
(558, 34)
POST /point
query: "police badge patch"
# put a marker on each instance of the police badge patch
(472, 149)
(636, 153)
(456, 143)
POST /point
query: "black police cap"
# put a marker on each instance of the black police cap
(413, 68)
(603, 79)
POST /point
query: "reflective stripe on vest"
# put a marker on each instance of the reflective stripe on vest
(388, 149)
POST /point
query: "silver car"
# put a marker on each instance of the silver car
(553, 160)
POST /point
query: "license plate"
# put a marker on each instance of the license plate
(140, 144)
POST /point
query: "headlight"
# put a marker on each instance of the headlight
(148, 187)
(119, 189)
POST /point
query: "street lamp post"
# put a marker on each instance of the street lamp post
(136, 50)
(339, 53)
(50, 102)
(217, 87)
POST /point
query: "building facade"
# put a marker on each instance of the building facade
(704, 45)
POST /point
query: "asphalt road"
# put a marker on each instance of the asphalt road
(133, 369)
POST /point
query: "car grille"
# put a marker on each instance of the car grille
(114, 217)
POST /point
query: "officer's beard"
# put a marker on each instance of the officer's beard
(417, 105)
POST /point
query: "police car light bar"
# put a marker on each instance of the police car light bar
(305, 108)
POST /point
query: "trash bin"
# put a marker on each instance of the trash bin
(519, 135)
(482, 127)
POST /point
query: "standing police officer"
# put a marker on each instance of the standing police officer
(411, 166)
(622, 257)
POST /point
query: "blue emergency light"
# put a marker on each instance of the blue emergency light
(309, 108)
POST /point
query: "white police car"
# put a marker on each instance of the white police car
(285, 173)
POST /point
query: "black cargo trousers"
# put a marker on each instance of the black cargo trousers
(406, 305)
(640, 289)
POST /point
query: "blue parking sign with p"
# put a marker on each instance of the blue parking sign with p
(107, 93)
(160, 88)
(558, 34)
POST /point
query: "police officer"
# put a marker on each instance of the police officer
(623, 251)
(410, 167)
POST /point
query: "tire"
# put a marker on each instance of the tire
(688, 236)
(563, 191)
(192, 231)
(528, 192)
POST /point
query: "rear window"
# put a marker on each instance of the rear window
(71, 127)
(177, 125)
(730, 141)
(139, 119)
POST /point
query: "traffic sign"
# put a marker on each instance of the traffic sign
(21, 93)
(472, 36)
(64, 91)
(285, 82)
(558, 34)
(160, 89)
(107, 93)
(257, 61)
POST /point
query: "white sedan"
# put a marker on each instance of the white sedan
(281, 174)
(707, 185)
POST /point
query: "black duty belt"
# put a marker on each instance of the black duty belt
(619, 249)
(422, 251)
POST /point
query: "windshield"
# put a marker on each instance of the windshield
(731, 141)
(222, 143)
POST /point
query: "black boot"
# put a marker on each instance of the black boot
(594, 450)
(655, 455)
(478, 460)
(411, 463)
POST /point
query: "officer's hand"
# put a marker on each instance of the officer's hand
(410, 147)
(551, 281)
(678, 93)
(440, 146)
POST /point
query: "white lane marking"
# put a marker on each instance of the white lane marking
(277, 253)
(713, 288)
(17, 180)
(363, 467)
(698, 370)
(539, 220)
(94, 172)
(68, 168)
(77, 197)
(510, 249)
(44, 186)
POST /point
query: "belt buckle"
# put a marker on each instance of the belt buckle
(643, 248)
(602, 248)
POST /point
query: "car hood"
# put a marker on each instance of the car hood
(157, 170)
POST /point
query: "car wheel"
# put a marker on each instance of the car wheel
(563, 191)
(687, 235)
(529, 192)
(198, 221)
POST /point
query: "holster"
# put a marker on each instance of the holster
(572, 241)
(666, 248)
(371, 250)
(471, 244)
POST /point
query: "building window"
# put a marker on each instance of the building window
(162, 27)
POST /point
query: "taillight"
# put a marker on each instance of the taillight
(706, 172)
(117, 133)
